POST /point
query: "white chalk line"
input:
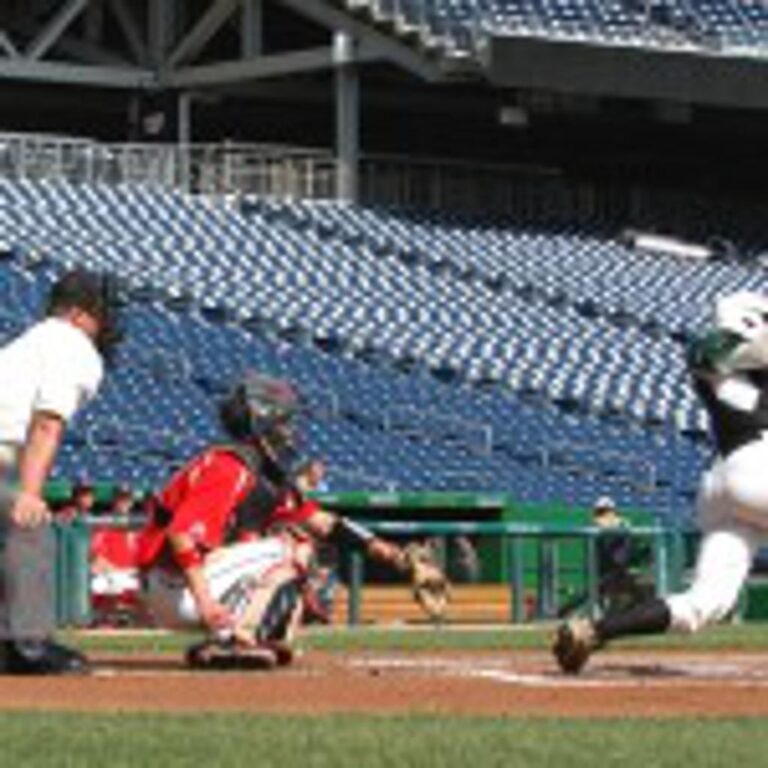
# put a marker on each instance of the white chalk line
(702, 675)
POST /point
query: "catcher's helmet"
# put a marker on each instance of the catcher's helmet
(96, 294)
(259, 407)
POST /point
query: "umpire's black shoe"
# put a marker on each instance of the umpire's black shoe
(41, 657)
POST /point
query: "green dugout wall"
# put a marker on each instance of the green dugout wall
(482, 507)
(545, 552)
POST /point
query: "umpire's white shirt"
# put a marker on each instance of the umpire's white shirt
(52, 367)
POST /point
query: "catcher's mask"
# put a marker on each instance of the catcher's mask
(94, 293)
(260, 410)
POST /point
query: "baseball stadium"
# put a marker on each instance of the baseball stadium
(383, 382)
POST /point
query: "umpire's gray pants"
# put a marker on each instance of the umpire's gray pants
(27, 586)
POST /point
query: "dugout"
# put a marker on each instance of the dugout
(540, 567)
(492, 550)
(431, 507)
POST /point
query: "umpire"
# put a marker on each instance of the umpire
(46, 375)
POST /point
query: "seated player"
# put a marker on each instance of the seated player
(247, 594)
(115, 583)
(82, 503)
(729, 365)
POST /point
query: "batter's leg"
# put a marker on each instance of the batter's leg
(722, 567)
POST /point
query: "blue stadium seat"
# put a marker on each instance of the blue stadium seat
(434, 353)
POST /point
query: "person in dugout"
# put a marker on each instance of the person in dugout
(115, 582)
(247, 594)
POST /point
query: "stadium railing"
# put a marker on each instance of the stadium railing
(232, 170)
(289, 172)
(215, 169)
(410, 420)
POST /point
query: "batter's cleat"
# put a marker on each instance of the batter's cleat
(218, 656)
(575, 641)
(41, 657)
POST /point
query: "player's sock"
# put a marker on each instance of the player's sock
(649, 618)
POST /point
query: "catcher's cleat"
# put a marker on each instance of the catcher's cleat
(284, 654)
(575, 641)
(219, 656)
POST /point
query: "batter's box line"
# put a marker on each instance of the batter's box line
(660, 678)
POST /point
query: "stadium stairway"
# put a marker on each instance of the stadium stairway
(454, 31)
(444, 40)
(458, 27)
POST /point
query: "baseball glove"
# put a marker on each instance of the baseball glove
(430, 586)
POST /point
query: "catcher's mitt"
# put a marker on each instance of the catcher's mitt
(430, 586)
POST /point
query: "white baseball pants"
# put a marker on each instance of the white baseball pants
(170, 600)
(733, 514)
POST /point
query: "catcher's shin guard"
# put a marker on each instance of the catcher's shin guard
(268, 616)
(575, 641)
(279, 614)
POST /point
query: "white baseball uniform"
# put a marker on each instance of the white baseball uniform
(53, 367)
(732, 505)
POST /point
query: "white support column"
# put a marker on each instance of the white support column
(160, 33)
(48, 35)
(184, 138)
(7, 46)
(204, 30)
(94, 21)
(252, 28)
(184, 118)
(130, 30)
(347, 117)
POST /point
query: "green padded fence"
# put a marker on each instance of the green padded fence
(72, 568)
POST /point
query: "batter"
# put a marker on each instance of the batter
(729, 367)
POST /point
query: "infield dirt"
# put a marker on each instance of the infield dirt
(652, 683)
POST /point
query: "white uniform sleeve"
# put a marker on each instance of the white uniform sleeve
(738, 393)
(70, 375)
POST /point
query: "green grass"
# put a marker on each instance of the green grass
(354, 741)
(33, 740)
(726, 637)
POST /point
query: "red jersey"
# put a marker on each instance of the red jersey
(118, 547)
(201, 500)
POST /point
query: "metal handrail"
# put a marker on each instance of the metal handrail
(161, 361)
(369, 481)
(439, 425)
(590, 454)
(127, 433)
(322, 400)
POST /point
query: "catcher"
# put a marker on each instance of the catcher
(248, 595)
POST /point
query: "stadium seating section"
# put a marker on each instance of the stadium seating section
(457, 25)
(433, 352)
